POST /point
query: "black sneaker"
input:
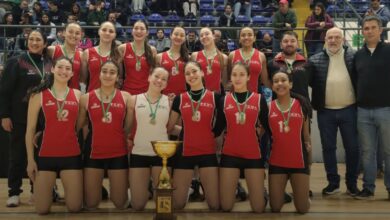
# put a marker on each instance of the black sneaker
(353, 191)
(330, 190)
(241, 193)
(104, 193)
(287, 197)
(365, 194)
(196, 196)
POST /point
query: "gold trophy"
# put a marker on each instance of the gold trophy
(164, 207)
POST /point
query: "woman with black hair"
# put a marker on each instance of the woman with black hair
(20, 74)
(289, 117)
(56, 105)
(317, 23)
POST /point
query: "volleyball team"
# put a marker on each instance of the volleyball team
(197, 98)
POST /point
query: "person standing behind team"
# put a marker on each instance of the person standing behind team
(253, 58)
(197, 109)
(243, 113)
(289, 125)
(72, 35)
(20, 74)
(59, 152)
(105, 148)
(150, 113)
(212, 62)
(173, 61)
(139, 59)
(93, 58)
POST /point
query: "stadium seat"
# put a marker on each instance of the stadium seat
(260, 20)
(242, 20)
(206, 2)
(190, 21)
(256, 9)
(136, 17)
(172, 20)
(231, 45)
(333, 10)
(155, 19)
(205, 9)
(220, 9)
(219, 2)
(207, 20)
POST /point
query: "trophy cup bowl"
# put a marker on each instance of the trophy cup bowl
(165, 149)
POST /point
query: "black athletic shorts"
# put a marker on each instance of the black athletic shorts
(114, 163)
(57, 164)
(141, 161)
(190, 162)
(241, 163)
(284, 170)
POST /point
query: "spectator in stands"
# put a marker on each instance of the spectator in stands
(162, 43)
(238, 4)
(172, 6)
(284, 19)
(19, 10)
(9, 34)
(371, 72)
(220, 42)
(96, 16)
(56, 15)
(138, 6)
(120, 32)
(50, 32)
(37, 12)
(265, 45)
(26, 19)
(71, 19)
(317, 23)
(193, 43)
(59, 39)
(21, 42)
(333, 96)
(382, 12)
(227, 19)
(79, 13)
(190, 8)
(85, 41)
(121, 7)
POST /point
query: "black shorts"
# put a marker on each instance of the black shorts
(241, 163)
(141, 161)
(190, 162)
(284, 170)
(57, 164)
(114, 163)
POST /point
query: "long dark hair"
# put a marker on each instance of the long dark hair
(48, 80)
(304, 102)
(184, 54)
(147, 47)
(114, 52)
(320, 17)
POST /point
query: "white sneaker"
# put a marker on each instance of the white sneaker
(13, 201)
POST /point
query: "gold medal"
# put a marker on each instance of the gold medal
(286, 129)
(59, 115)
(174, 71)
(104, 119)
(209, 70)
(152, 121)
(138, 66)
(242, 118)
(196, 116)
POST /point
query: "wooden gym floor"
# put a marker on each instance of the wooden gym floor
(339, 206)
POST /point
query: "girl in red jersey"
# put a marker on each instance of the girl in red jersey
(94, 57)
(105, 148)
(244, 113)
(173, 61)
(253, 58)
(72, 35)
(59, 151)
(151, 113)
(197, 109)
(139, 59)
(212, 62)
(289, 124)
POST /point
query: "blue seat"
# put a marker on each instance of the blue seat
(207, 20)
(155, 19)
(206, 2)
(190, 21)
(260, 20)
(172, 20)
(231, 45)
(219, 2)
(167, 31)
(332, 10)
(220, 8)
(137, 17)
(152, 32)
(242, 20)
(256, 9)
(206, 9)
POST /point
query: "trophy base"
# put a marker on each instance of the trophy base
(164, 205)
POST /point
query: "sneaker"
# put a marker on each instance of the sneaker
(330, 190)
(196, 196)
(241, 193)
(13, 201)
(365, 194)
(104, 193)
(353, 191)
(310, 193)
(287, 197)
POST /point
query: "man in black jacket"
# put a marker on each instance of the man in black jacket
(333, 96)
(371, 70)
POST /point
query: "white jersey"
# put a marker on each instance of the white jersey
(146, 131)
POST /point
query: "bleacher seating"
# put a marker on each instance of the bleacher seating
(207, 20)
(242, 20)
(155, 19)
(205, 9)
(172, 20)
(260, 20)
(136, 17)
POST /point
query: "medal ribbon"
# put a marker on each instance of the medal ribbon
(137, 58)
(41, 73)
(100, 55)
(285, 122)
(241, 113)
(153, 113)
(66, 53)
(105, 110)
(247, 59)
(195, 109)
(174, 61)
(60, 107)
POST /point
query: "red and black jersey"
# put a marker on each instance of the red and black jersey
(94, 63)
(136, 82)
(177, 81)
(287, 147)
(213, 79)
(255, 68)
(198, 138)
(108, 136)
(59, 136)
(241, 138)
(74, 82)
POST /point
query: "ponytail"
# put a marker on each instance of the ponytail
(46, 84)
(149, 54)
(114, 53)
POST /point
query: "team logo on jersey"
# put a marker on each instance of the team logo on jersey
(230, 106)
(93, 59)
(49, 103)
(165, 62)
(141, 106)
(129, 56)
(186, 105)
(273, 115)
(31, 72)
(95, 105)
(76, 62)
(296, 115)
